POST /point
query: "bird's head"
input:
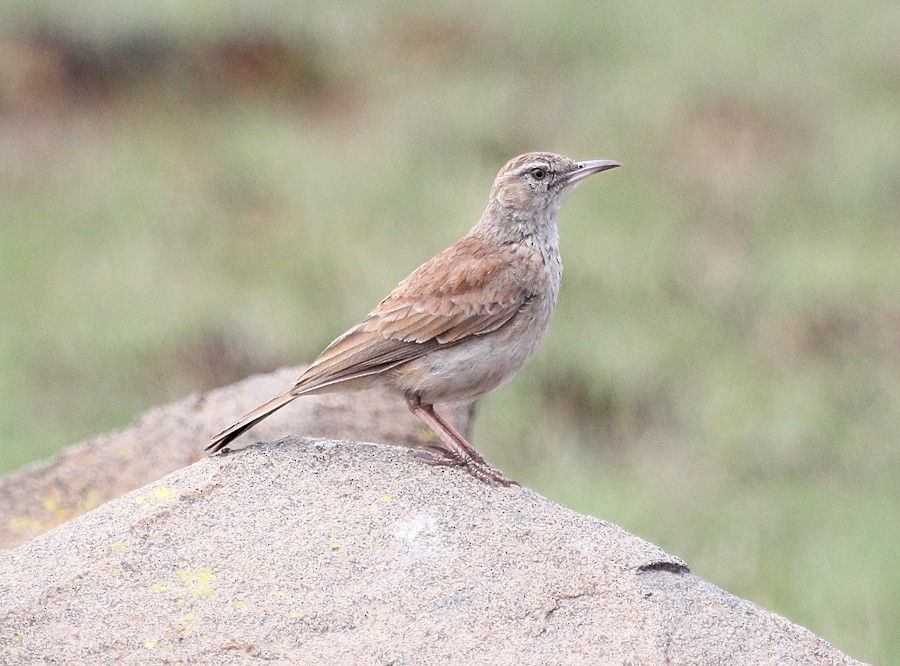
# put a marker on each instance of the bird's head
(538, 183)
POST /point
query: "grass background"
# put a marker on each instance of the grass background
(191, 192)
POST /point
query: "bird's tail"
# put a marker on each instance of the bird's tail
(249, 420)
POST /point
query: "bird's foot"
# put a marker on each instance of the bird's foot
(437, 455)
(490, 475)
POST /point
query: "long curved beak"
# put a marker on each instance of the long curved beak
(589, 168)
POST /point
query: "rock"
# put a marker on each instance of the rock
(333, 552)
(167, 438)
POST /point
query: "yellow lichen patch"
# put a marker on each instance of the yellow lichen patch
(189, 622)
(294, 613)
(149, 644)
(55, 508)
(240, 603)
(160, 587)
(162, 493)
(25, 525)
(426, 434)
(336, 546)
(198, 581)
(386, 498)
(117, 546)
(91, 501)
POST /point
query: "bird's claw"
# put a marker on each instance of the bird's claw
(438, 455)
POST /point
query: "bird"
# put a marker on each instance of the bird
(463, 323)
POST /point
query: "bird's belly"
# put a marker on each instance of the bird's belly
(471, 369)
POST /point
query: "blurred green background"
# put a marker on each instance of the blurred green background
(191, 192)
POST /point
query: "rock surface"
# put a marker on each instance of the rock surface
(167, 438)
(321, 552)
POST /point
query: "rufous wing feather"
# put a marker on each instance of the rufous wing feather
(467, 302)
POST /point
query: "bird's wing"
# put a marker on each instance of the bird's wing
(469, 289)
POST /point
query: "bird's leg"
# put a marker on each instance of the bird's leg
(459, 448)
(454, 434)
(458, 451)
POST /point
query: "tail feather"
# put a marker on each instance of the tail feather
(249, 420)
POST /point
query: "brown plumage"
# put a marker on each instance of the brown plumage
(464, 322)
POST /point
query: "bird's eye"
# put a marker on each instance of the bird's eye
(538, 173)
